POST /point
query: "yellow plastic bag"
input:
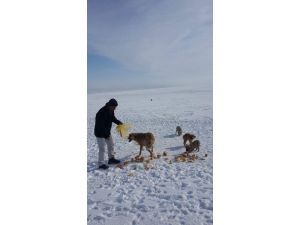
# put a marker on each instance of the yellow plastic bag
(122, 129)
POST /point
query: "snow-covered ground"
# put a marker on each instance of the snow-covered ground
(168, 193)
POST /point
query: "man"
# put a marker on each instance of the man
(104, 118)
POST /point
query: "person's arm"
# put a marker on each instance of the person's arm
(116, 121)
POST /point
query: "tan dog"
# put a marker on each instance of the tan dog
(188, 137)
(194, 146)
(178, 131)
(143, 140)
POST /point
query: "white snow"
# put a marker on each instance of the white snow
(177, 193)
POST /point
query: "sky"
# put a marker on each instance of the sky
(136, 44)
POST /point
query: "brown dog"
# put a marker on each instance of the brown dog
(178, 131)
(194, 146)
(143, 139)
(188, 137)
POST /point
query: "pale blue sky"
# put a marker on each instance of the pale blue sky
(148, 43)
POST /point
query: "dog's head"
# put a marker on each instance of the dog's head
(192, 136)
(188, 136)
(196, 142)
(130, 137)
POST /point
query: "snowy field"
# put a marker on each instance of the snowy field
(170, 192)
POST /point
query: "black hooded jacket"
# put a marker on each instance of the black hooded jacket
(103, 123)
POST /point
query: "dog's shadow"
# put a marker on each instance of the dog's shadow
(176, 148)
(170, 136)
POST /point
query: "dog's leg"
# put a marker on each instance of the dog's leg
(149, 151)
(153, 151)
(141, 148)
(187, 149)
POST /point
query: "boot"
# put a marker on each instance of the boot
(113, 161)
(103, 167)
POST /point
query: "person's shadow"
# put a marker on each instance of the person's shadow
(91, 166)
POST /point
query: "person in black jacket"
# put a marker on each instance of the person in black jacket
(104, 119)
